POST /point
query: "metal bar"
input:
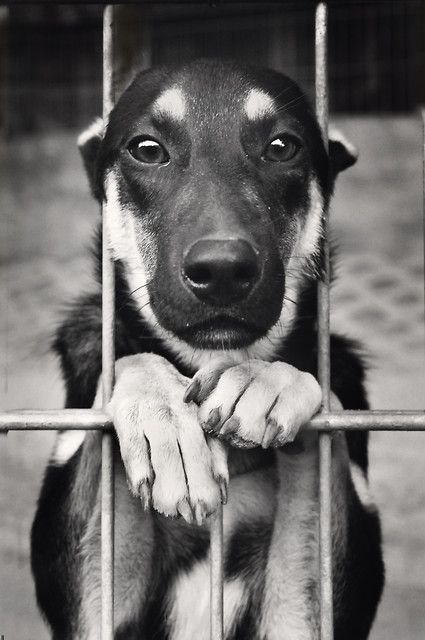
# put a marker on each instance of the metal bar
(423, 192)
(108, 362)
(169, 3)
(216, 575)
(90, 419)
(325, 442)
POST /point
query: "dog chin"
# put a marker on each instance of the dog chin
(220, 333)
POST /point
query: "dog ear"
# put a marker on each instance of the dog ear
(342, 153)
(89, 142)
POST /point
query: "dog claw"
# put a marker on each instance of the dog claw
(200, 513)
(145, 495)
(269, 433)
(224, 490)
(185, 510)
(191, 393)
(213, 420)
(231, 425)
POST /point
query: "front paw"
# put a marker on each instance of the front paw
(255, 403)
(169, 462)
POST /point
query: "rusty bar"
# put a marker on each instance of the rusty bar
(108, 361)
(325, 442)
(91, 419)
(216, 575)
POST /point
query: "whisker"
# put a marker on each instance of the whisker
(292, 103)
(146, 284)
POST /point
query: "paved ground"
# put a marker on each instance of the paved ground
(379, 299)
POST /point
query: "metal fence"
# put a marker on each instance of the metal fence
(325, 422)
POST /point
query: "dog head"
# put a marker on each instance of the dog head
(215, 181)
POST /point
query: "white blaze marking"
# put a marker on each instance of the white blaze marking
(171, 103)
(258, 104)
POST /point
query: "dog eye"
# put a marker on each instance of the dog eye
(148, 151)
(281, 149)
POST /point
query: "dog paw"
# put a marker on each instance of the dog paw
(255, 403)
(170, 464)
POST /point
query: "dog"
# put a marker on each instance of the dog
(215, 181)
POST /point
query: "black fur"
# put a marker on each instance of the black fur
(58, 529)
(78, 346)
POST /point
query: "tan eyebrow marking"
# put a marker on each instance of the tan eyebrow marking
(171, 103)
(258, 104)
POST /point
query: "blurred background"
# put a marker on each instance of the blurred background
(50, 88)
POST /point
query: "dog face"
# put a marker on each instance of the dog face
(215, 181)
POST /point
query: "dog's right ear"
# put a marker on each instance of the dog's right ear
(89, 142)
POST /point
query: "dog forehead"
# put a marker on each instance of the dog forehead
(178, 103)
(205, 96)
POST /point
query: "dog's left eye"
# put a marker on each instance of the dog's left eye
(148, 150)
(281, 149)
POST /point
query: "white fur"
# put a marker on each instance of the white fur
(162, 444)
(308, 243)
(258, 104)
(172, 103)
(190, 604)
(361, 487)
(252, 392)
(67, 443)
(122, 240)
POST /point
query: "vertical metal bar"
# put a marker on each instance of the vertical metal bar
(6, 219)
(216, 551)
(423, 191)
(325, 443)
(108, 363)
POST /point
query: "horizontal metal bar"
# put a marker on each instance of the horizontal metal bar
(61, 419)
(237, 3)
(91, 419)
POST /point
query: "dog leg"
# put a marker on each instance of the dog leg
(265, 404)
(291, 594)
(168, 461)
(133, 542)
(133, 551)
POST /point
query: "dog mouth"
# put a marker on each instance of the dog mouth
(220, 332)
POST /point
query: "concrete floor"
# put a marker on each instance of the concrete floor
(47, 220)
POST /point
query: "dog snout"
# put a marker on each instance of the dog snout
(221, 272)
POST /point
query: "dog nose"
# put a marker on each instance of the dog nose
(221, 271)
